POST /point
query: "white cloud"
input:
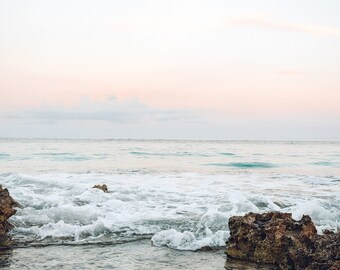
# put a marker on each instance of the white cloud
(114, 118)
(110, 110)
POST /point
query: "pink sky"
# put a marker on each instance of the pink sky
(226, 59)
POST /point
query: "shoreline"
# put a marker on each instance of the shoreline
(271, 240)
(139, 254)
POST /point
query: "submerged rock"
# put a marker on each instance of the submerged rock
(7, 204)
(276, 238)
(102, 187)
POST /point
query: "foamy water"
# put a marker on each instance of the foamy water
(179, 194)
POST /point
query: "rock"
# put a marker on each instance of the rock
(276, 238)
(234, 264)
(7, 204)
(336, 265)
(102, 187)
(327, 252)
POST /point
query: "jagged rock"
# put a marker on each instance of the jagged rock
(277, 238)
(102, 187)
(327, 252)
(7, 204)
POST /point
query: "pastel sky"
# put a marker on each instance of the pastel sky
(200, 69)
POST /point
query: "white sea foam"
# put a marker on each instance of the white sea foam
(323, 212)
(188, 240)
(183, 211)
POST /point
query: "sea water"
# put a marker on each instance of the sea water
(167, 199)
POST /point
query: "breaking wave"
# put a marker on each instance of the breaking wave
(186, 211)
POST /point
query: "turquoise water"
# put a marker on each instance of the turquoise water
(167, 197)
(25, 155)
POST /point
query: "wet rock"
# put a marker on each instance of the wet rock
(336, 265)
(7, 204)
(276, 238)
(234, 264)
(327, 252)
(102, 187)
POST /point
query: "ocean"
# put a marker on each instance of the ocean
(168, 200)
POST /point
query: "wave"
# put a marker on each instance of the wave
(181, 211)
(245, 165)
(53, 154)
(63, 156)
(168, 154)
(188, 241)
(325, 163)
(227, 154)
(4, 155)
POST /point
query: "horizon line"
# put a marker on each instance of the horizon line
(168, 139)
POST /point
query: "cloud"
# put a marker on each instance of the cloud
(111, 110)
(115, 118)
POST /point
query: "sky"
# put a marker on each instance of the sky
(171, 69)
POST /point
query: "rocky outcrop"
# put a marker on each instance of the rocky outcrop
(276, 238)
(102, 187)
(7, 204)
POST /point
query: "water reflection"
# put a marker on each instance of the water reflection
(139, 255)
